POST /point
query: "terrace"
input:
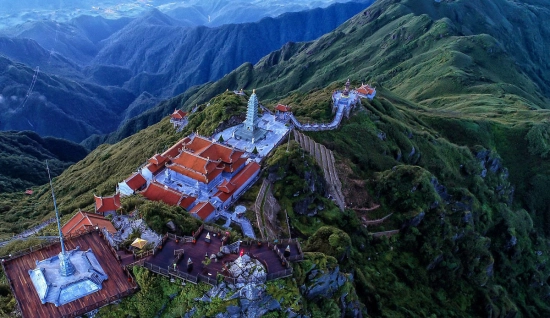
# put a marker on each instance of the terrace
(178, 250)
(117, 286)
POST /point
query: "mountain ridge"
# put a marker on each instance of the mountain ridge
(161, 65)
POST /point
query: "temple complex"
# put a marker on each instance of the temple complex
(194, 172)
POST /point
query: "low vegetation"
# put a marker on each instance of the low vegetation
(454, 147)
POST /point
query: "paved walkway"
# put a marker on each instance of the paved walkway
(27, 233)
(344, 105)
(242, 221)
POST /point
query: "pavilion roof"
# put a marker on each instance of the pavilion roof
(365, 89)
(105, 204)
(226, 186)
(282, 108)
(242, 177)
(201, 177)
(82, 221)
(135, 181)
(195, 162)
(158, 192)
(206, 148)
(178, 114)
(176, 148)
(203, 209)
(158, 159)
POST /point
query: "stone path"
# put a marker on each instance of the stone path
(243, 222)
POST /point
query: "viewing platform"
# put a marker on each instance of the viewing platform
(117, 286)
(270, 254)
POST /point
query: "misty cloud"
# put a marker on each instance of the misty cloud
(1, 99)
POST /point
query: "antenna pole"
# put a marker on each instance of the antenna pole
(56, 212)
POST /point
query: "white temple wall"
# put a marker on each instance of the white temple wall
(124, 189)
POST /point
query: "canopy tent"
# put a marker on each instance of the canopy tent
(139, 243)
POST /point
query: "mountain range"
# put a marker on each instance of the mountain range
(135, 62)
(452, 154)
(190, 12)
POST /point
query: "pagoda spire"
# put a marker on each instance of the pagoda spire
(66, 268)
(252, 118)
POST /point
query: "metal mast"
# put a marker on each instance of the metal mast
(66, 268)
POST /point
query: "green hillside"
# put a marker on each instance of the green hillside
(23, 155)
(455, 145)
(459, 57)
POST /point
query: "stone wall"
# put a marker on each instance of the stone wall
(325, 159)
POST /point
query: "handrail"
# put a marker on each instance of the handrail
(279, 274)
(28, 250)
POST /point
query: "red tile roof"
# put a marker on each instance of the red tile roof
(203, 209)
(209, 149)
(365, 90)
(235, 165)
(237, 181)
(136, 181)
(176, 148)
(158, 159)
(178, 114)
(158, 192)
(249, 170)
(83, 221)
(195, 162)
(154, 168)
(282, 108)
(106, 204)
(226, 186)
(223, 196)
(198, 144)
(202, 159)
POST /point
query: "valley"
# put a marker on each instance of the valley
(93, 68)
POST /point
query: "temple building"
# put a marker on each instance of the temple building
(106, 205)
(249, 129)
(179, 118)
(366, 91)
(282, 108)
(193, 172)
(132, 184)
(83, 222)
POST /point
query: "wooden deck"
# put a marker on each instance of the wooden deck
(115, 287)
(164, 258)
